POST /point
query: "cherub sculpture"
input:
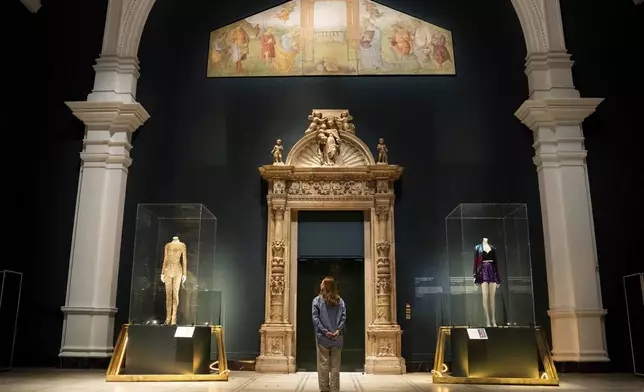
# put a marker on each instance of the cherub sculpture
(383, 158)
(277, 152)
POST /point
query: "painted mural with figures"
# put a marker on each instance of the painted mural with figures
(330, 37)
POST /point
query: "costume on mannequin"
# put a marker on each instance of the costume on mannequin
(486, 275)
(173, 273)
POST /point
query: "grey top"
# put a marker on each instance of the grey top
(328, 319)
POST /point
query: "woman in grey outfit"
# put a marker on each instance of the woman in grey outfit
(329, 317)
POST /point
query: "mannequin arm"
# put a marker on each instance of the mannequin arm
(478, 258)
(185, 261)
(165, 258)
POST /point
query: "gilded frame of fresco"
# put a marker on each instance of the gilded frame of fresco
(330, 37)
(350, 180)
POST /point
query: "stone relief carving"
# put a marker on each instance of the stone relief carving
(277, 285)
(341, 122)
(279, 187)
(382, 213)
(384, 286)
(326, 144)
(330, 188)
(382, 187)
(386, 348)
(276, 346)
(278, 212)
(350, 156)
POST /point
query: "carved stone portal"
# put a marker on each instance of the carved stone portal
(330, 168)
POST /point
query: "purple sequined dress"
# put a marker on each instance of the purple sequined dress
(485, 267)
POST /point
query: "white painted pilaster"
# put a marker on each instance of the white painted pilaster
(93, 271)
(576, 311)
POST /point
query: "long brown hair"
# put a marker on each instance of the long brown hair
(329, 291)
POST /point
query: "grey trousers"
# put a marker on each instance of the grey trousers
(329, 368)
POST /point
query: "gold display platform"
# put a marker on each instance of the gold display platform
(116, 364)
(548, 377)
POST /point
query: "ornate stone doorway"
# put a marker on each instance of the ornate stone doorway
(330, 168)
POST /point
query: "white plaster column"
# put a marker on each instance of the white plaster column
(110, 114)
(93, 271)
(576, 311)
(555, 112)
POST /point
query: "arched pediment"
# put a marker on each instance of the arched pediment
(330, 127)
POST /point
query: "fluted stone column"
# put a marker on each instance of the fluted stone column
(96, 244)
(576, 310)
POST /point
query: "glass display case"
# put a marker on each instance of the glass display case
(490, 273)
(10, 291)
(173, 270)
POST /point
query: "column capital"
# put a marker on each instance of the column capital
(553, 112)
(109, 115)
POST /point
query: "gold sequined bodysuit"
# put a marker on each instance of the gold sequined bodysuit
(173, 272)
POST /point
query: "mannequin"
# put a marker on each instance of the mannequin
(173, 273)
(486, 275)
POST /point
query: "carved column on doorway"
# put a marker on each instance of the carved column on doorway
(384, 334)
(276, 334)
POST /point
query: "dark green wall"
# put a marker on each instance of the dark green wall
(456, 136)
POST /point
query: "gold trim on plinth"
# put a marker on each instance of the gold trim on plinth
(549, 377)
(116, 364)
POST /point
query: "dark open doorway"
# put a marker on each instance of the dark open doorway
(350, 275)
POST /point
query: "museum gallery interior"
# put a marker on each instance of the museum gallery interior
(465, 172)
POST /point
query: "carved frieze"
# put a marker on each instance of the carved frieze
(330, 188)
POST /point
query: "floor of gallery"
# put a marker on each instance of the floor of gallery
(20, 380)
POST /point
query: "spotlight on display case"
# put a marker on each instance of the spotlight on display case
(491, 337)
(174, 326)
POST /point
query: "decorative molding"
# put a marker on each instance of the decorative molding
(113, 116)
(577, 313)
(89, 310)
(553, 112)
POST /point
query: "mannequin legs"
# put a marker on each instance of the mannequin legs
(492, 303)
(172, 286)
(485, 289)
(489, 290)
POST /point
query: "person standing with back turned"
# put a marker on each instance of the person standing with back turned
(329, 318)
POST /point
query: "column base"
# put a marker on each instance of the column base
(384, 350)
(578, 335)
(88, 332)
(276, 349)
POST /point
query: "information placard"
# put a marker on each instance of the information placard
(476, 333)
(184, 332)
